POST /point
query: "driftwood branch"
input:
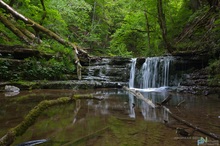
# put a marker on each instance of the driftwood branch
(138, 95)
(165, 101)
(191, 125)
(180, 103)
(30, 119)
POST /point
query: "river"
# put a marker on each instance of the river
(117, 119)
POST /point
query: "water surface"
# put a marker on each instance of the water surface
(118, 119)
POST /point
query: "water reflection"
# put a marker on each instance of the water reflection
(111, 104)
(113, 101)
(131, 106)
(91, 113)
(76, 110)
(10, 94)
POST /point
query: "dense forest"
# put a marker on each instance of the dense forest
(93, 49)
(106, 28)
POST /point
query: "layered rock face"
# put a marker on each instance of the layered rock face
(186, 71)
(114, 69)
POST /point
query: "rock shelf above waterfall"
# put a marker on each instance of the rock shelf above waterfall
(114, 69)
(142, 73)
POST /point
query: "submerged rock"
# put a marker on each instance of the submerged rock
(9, 88)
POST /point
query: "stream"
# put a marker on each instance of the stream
(118, 119)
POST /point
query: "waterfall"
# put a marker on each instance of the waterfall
(132, 72)
(155, 72)
(149, 75)
(131, 85)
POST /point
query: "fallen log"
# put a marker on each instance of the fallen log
(31, 117)
(189, 124)
(217, 137)
(165, 101)
(46, 31)
(29, 34)
(39, 27)
(138, 95)
(15, 30)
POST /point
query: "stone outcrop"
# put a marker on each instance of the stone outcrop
(114, 69)
(103, 72)
(187, 70)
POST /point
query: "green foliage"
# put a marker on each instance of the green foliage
(9, 70)
(214, 72)
(36, 69)
(214, 67)
(6, 36)
(197, 14)
(42, 69)
(127, 40)
(53, 47)
(132, 34)
(5, 70)
(131, 37)
(75, 14)
(177, 13)
(115, 28)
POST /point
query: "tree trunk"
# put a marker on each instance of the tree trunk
(147, 28)
(138, 95)
(162, 23)
(14, 29)
(191, 125)
(37, 26)
(29, 34)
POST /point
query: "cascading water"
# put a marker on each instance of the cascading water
(152, 76)
(132, 72)
(131, 85)
(155, 72)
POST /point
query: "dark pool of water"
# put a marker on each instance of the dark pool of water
(118, 119)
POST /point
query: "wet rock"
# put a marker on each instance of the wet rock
(9, 88)
(114, 69)
(81, 84)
